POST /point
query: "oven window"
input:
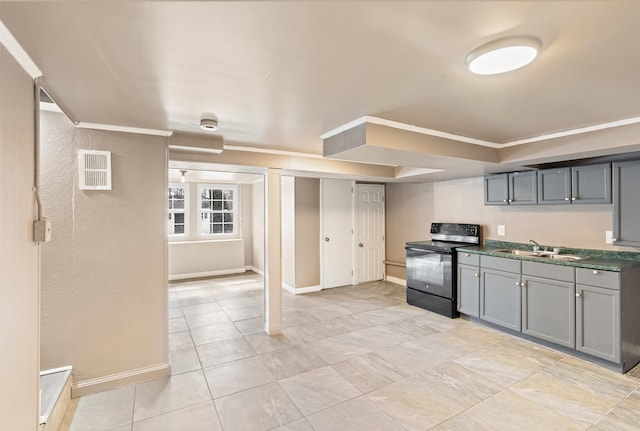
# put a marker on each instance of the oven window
(430, 272)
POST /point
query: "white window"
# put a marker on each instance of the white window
(178, 210)
(218, 210)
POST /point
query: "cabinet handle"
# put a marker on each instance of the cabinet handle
(614, 239)
(523, 284)
(467, 254)
(510, 200)
(566, 199)
(573, 199)
(596, 272)
(577, 295)
(504, 200)
(517, 283)
(475, 275)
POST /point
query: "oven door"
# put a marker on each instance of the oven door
(430, 271)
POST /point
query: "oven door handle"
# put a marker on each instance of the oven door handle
(422, 250)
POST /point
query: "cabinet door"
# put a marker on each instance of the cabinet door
(496, 189)
(598, 322)
(548, 310)
(523, 188)
(500, 298)
(626, 203)
(591, 184)
(469, 290)
(554, 186)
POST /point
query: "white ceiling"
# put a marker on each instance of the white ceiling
(280, 74)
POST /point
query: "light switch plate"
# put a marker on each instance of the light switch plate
(501, 230)
(608, 236)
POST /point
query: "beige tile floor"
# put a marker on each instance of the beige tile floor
(353, 358)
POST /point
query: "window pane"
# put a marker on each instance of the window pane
(228, 217)
(217, 194)
(228, 195)
(216, 217)
(206, 194)
(216, 228)
(217, 205)
(228, 228)
(228, 205)
(179, 229)
(179, 204)
(179, 218)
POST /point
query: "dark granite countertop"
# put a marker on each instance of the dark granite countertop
(603, 260)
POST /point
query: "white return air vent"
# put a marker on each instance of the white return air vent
(94, 169)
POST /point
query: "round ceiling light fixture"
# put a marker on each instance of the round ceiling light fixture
(209, 123)
(503, 55)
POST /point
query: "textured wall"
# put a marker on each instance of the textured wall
(307, 232)
(104, 274)
(257, 215)
(19, 256)
(408, 212)
(412, 207)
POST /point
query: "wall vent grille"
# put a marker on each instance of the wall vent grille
(94, 169)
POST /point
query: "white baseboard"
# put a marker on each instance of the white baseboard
(100, 384)
(174, 277)
(396, 280)
(254, 269)
(299, 290)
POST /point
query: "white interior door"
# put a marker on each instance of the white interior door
(337, 232)
(370, 232)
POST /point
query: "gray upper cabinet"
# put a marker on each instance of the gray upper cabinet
(626, 203)
(496, 189)
(514, 188)
(589, 184)
(554, 186)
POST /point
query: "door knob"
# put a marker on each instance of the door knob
(577, 295)
(360, 245)
(326, 238)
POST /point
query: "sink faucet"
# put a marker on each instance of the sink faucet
(536, 246)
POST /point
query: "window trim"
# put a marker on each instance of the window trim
(235, 212)
(185, 235)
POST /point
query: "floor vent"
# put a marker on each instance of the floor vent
(94, 169)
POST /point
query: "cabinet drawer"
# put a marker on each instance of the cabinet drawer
(465, 258)
(595, 277)
(550, 271)
(500, 263)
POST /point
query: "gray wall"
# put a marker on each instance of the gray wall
(19, 256)
(257, 216)
(104, 274)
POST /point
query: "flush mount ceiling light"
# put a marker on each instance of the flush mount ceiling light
(503, 55)
(209, 123)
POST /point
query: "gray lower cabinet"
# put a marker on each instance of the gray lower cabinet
(548, 302)
(626, 203)
(598, 314)
(500, 295)
(468, 284)
(469, 290)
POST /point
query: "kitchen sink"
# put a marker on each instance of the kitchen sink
(519, 252)
(541, 254)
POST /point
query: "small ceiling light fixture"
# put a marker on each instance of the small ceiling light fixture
(503, 55)
(209, 122)
(183, 178)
